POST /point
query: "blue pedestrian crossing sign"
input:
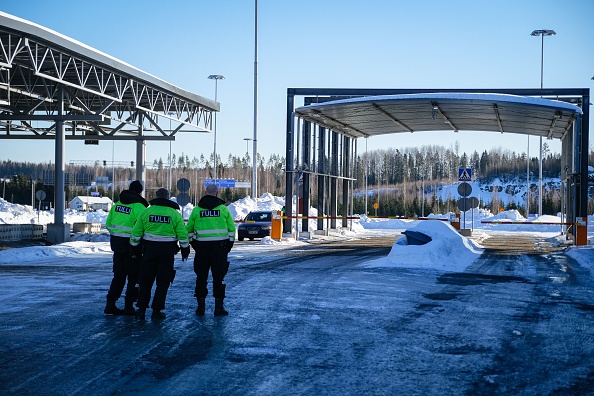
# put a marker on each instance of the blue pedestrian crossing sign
(465, 174)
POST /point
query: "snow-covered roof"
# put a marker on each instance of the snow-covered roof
(443, 111)
(93, 200)
(32, 30)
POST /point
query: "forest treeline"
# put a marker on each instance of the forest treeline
(410, 177)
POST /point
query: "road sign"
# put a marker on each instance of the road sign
(464, 204)
(224, 183)
(474, 202)
(40, 195)
(376, 206)
(464, 189)
(464, 174)
(183, 184)
(183, 199)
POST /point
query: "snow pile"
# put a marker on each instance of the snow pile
(21, 214)
(43, 253)
(385, 224)
(241, 208)
(447, 250)
(508, 215)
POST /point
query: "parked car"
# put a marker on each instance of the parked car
(256, 225)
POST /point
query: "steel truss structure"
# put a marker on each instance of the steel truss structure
(331, 121)
(75, 92)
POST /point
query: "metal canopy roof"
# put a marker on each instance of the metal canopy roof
(443, 111)
(103, 95)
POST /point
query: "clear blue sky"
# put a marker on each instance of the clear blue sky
(320, 44)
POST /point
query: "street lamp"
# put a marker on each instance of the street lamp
(542, 33)
(215, 77)
(247, 147)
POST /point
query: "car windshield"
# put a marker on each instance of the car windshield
(259, 216)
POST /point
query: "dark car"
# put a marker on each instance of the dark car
(256, 225)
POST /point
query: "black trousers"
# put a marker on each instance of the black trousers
(124, 268)
(210, 256)
(157, 264)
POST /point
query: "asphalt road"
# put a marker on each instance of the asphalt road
(312, 321)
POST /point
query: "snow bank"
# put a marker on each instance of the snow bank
(447, 251)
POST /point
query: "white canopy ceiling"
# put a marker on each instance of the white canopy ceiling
(380, 115)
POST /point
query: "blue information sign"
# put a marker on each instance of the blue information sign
(221, 183)
(465, 174)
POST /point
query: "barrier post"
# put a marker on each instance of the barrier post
(581, 231)
(276, 230)
(455, 220)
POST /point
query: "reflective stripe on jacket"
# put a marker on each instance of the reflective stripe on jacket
(121, 218)
(211, 224)
(160, 224)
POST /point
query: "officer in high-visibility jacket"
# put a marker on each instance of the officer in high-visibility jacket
(160, 228)
(120, 220)
(212, 233)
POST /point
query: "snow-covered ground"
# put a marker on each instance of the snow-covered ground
(448, 250)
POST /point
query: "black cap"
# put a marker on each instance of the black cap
(136, 186)
(162, 193)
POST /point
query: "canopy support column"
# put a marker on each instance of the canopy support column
(141, 155)
(290, 166)
(584, 133)
(306, 176)
(346, 166)
(333, 180)
(58, 232)
(321, 176)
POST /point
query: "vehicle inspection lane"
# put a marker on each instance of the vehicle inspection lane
(311, 319)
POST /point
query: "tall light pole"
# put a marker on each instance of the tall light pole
(215, 77)
(255, 143)
(542, 33)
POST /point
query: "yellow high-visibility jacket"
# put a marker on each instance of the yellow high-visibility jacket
(161, 222)
(123, 214)
(210, 221)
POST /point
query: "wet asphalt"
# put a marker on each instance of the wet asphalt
(309, 320)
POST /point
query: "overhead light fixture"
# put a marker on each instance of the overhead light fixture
(544, 32)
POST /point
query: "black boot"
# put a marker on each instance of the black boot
(129, 309)
(111, 309)
(157, 314)
(201, 306)
(219, 308)
(141, 313)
